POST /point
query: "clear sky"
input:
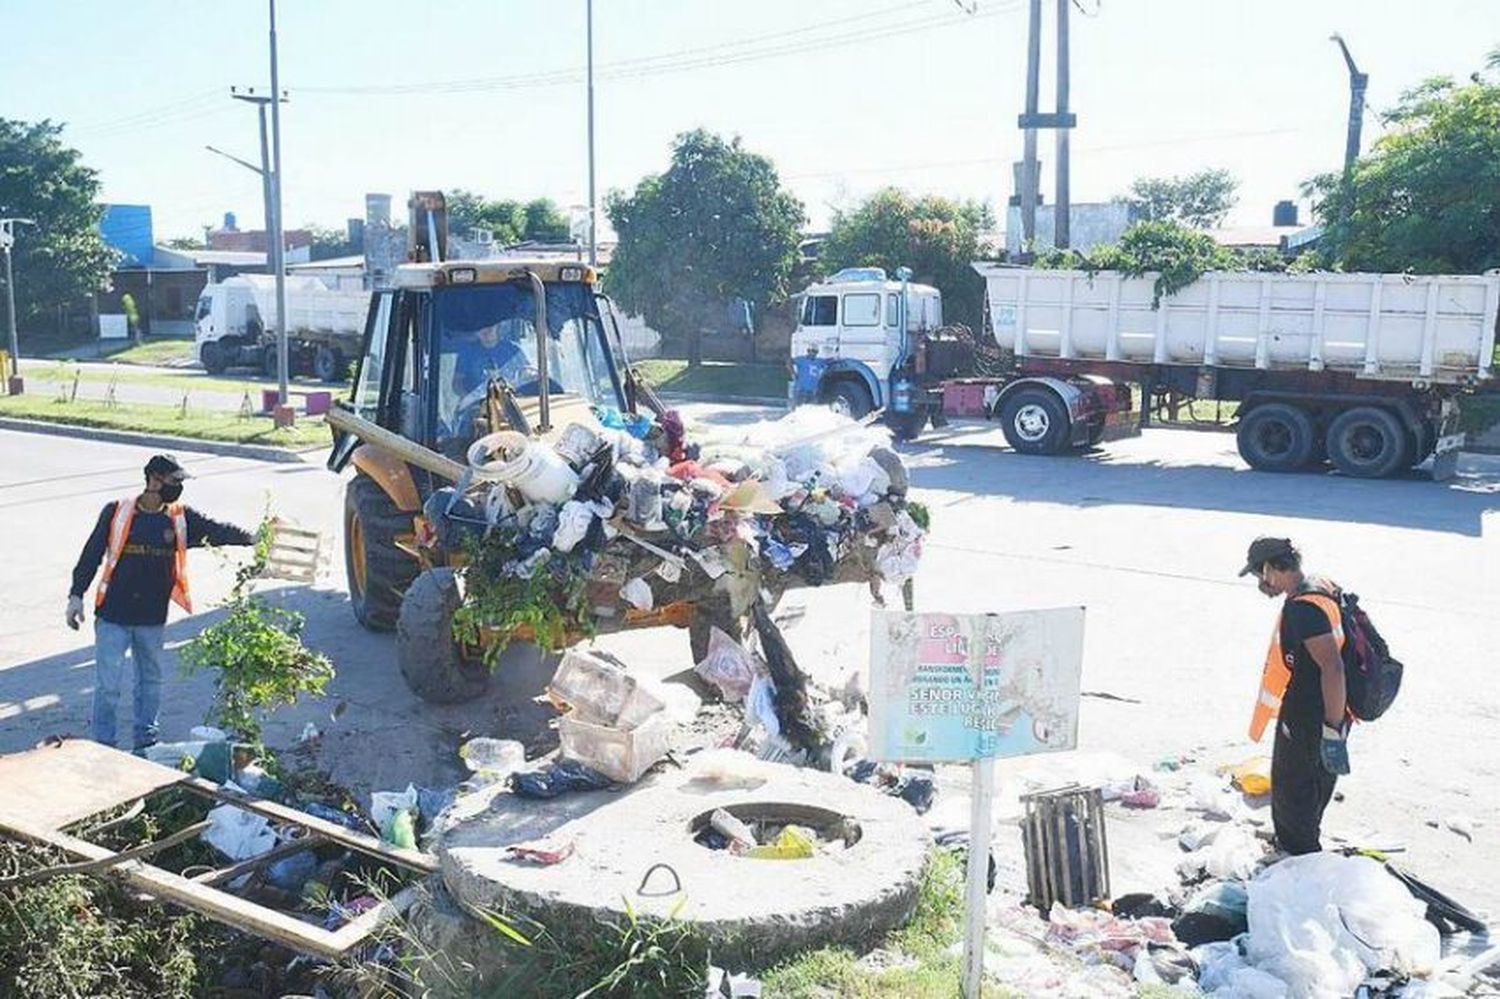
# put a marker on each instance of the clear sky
(845, 96)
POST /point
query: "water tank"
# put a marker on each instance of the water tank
(377, 209)
(229, 222)
(1285, 213)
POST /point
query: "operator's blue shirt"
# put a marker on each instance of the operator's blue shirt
(475, 362)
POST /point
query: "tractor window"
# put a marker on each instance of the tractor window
(820, 310)
(372, 366)
(487, 331)
(862, 310)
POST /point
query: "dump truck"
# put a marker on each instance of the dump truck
(235, 326)
(475, 379)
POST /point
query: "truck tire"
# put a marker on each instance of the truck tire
(378, 571)
(1035, 421)
(329, 364)
(850, 398)
(431, 660)
(1368, 442)
(213, 358)
(1276, 437)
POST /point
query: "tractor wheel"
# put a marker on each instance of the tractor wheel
(329, 364)
(431, 660)
(378, 571)
(1035, 421)
(850, 398)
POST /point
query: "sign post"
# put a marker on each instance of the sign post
(952, 688)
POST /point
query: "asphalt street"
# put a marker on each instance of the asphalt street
(1147, 534)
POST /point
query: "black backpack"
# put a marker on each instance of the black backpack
(1372, 678)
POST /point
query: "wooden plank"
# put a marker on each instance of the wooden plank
(57, 785)
(169, 887)
(411, 859)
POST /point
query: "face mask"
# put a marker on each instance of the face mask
(1266, 588)
(170, 491)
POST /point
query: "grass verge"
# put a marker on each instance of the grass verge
(715, 379)
(190, 379)
(173, 351)
(148, 419)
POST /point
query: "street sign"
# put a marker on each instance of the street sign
(967, 688)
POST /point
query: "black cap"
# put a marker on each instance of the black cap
(1262, 550)
(165, 466)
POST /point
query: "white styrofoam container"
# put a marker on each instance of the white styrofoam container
(1431, 329)
(621, 754)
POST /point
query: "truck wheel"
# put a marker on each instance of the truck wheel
(269, 358)
(329, 364)
(431, 660)
(850, 398)
(1035, 421)
(378, 571)
(1276, 437)
(1367, 442)
(211, 356)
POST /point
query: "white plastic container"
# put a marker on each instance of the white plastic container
(601, 692)
(534, 470)
(621, 754)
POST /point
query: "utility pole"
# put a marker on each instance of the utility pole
(283, 413)
(1358, 82)
(1029, 164)
(593, 200)
(1061, 231)
(273, 251)
(8, 239)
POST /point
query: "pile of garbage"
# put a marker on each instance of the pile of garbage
(624, 517)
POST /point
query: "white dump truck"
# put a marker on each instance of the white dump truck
(235, 324)
(1361, 370)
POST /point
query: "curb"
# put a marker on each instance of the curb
(227, 449)
(733, 400)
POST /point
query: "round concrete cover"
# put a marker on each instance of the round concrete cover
(750, 909)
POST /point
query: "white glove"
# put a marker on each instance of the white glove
(75, 612)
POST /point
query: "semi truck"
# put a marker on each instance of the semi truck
(235, 323)
(1363, 371)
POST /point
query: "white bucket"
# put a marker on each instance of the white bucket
(534, 470)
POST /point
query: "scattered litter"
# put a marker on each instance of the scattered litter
(732, 829)
(541, 856)
(291, 873)
(728, 666)
(1460, 824)
(385, 804)
(598, 689)
(620, 754)
(1233, 853)
(309, 733)
(1253, 776)
(238, 834)
(793, 843)
(492, 759)
(724, 985)
(400, 830)
(559, 778)
(1216, 912)
(637, 592)
(330, 814)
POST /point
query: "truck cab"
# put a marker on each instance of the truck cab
(850, 337)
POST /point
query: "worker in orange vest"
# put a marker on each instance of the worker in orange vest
(142, 541)
(1302, 688)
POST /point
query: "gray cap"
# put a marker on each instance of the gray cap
(1262, 550)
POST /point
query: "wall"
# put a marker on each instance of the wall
(165, 299)
(127, 228)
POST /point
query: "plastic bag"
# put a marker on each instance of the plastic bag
(727, 666)
(238, 834)
(794, 843)
(384, 804)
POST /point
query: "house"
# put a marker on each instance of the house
(232, 238)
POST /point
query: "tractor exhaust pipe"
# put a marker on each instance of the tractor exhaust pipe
(543, 377)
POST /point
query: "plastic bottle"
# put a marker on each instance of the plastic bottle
(401, 829)
(498, 756)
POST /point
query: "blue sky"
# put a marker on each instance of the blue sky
(846, 96)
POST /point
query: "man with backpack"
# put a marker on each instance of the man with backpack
(1303, 687)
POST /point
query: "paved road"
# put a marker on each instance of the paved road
(1148, 535)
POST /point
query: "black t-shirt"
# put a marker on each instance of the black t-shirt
(1302, 706)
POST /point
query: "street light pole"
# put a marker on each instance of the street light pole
(7, 240)
(277, 239)
(593, 201)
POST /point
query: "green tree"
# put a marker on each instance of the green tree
(545, 223)
(328, 243)
(62, 258)
(1426, 199)
(716, 226)
(185, 243)
(1200, 200)
(468, 210)
(938, 238)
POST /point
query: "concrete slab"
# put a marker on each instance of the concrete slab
(753, 911)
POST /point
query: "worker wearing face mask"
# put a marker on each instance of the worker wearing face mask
(142, 541)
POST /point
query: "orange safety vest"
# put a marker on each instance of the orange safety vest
(1278, 669)
(119, 531)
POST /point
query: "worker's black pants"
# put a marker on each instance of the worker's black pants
(1300, 788)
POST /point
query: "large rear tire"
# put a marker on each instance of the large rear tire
(378, 571)
(1035, 421)
(330, 365)
(213, 358)
(431, 660)
(1276, 437)
(1367, 442)
(850, 398)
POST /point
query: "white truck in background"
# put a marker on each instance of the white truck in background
(235, 323)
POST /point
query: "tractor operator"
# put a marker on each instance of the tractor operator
(142, 541)
(483, 354)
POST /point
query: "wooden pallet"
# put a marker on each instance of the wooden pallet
(295, 554)
(46, 790)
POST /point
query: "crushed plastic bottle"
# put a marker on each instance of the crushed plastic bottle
(494, 759)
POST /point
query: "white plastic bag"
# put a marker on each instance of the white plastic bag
(727, 666)
(238, 834)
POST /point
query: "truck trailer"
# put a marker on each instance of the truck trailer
(1360, 370)
(234, 326)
